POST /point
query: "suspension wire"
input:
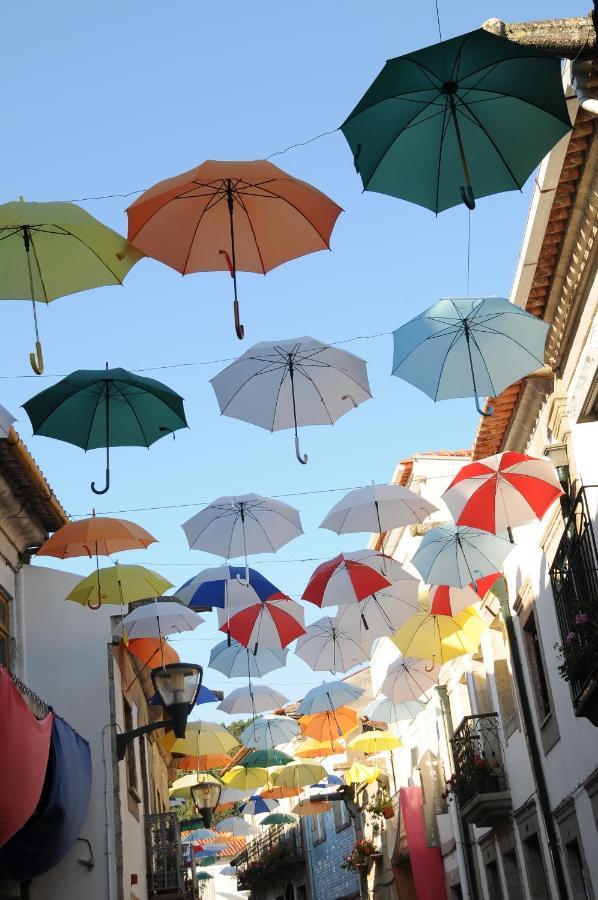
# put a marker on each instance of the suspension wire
(438, 20)
(468, 248)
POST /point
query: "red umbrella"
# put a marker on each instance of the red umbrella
(502, 491)
(350, 577)
(272, 623)
(448, 601)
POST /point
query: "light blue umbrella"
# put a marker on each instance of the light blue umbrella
(199, 834)
(328, 696)
(469, 347)
(268, 732)
(457, 555)
(237, 661)
(384, 710)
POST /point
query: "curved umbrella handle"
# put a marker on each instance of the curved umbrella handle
(431, 669)
(240, 329)
(98, 604)
(480, 410)
(302, 459)
(467, 196)
(37, 359)
(105, 489)
(352, 399)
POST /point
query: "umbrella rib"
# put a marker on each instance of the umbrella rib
(196, 229)
(66, 233)
(302, 214)
(39, 271)
(457, 337)
(444, 128)
(490, 379)
(317, 390)
(132, 409)
(508, 337)
(237, 197)
(467, 113)
(265, 533)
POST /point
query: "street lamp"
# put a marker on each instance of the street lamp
(177, 686)
(558, 456)
(206, 796)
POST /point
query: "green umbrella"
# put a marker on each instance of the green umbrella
(261, 759)
(111, 408)
(48, 250)
(278, 819)
(465, 118)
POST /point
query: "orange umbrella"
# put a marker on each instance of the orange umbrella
(235, 216)
(96, 536)
(311, 807)
(329, 725)
(151, 652)
(313, 749)
(280, 793)
(202, 763)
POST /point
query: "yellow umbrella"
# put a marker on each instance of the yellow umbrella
(375, 742)
(312, 749)
(440, 638)
(299, 774)
(118, 584)
(182, 786)
(360, 774)
(243, 779)
(200, 737)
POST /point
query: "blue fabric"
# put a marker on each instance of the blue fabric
(54, 827)
(207, 589)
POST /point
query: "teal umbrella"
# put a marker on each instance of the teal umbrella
(264, 758)
(278, 819)
(111, 408)
(465, 118)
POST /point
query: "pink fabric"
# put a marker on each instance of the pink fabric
(426, 862)
(24, 750)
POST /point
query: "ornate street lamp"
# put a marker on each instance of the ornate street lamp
(177, 686)
(206, 796)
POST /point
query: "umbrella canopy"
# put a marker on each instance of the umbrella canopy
(361, 774)
(469, 347)
(381, 614)
(96, 536)
(201, 763)
(6, 420)
(265, 759)
(236, 826)
(199, 834)
(311, 807)
(407, 679)
(266, 733)
(254, 698)
(325, 646)
(328, 696)
(280, 793)
(330, 725)
(256, 805)
(118, 584)
(291, 383)
(350, 577)
(182, 786)
(236, 661)
(235, 216)
(106, 408)
(444, 124)
(374, 742)
(312, 749)
(159, 618)
(448, 601)
(384, 710)
(49, 250)
(153, 652)
(379, 507)
(278, 818)
(502, 491)
(440, 638)
(200, 737)
(274, 623)
(230, 797)
(458, 556)
(245, 779)
(299, 774)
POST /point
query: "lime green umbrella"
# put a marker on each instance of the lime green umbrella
(48, 250)
(264, 758)
(465, 118)
(111, 408)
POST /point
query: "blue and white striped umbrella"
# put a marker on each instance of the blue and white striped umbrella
(220, 586)
(236, 661)
(469, 347)
(384, 710)
(257, 805)
(458, 556)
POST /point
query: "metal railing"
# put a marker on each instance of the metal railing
(477, 757)
(165, 867)
(278, 845)
(574, 574)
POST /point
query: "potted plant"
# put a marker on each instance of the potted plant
(579, 665)
(381, 807)
(359, 857)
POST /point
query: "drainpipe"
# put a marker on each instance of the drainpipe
(463, 844)
(534, 750)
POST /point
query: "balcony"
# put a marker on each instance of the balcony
(165, 867)
(480, 782)
(574, 578)
(270, 858)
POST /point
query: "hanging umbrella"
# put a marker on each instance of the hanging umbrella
(374, 742)
(151, 652)
(118, 584)
(381, 614)
(291, 383)
(280, 793)
(299, 774)
(231, 216)
(359, 773)
(461, 119)
(182, 786)
(502, 491)
(199, 834)
(440, 638)
(311, 807)
(325, 646)
(230, 797)
(312, 749)
(448, 601)
(328, 696)
(275, 622)
(278, 819)
(407, 679)
(458, 556)
(236, 661)
(204, 876)
(266, 733)
(236, 826)
(49, 250)
(95, 536)
(384, 710)
(254, 698)
(245, 779)
(111, 408)
(330, 725)
(217, 587)
(469, 347)
(350, 577)
(256, 805)
(265, 759)
(202, 763)
(200, 737)
(159, 618)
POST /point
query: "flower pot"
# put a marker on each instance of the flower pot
(388, 812)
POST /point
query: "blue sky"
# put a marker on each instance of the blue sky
(111, 97)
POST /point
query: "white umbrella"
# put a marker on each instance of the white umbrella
(384, 710)
(268, 732)
(458, 556)
(232, 795)
(382, 613)
(290, 383)
(254, 699)
(158, 619)
(236, 826)
(325, 647)
(350, 577)
(6, 420)
(274, 623)
(328, 696)
(407, 678)
(236, 661)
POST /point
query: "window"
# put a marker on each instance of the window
(493, 880)
(534, 865)
(577, 871)
(318, 829)
(342, 819)
(536, 666)
(4, 631)
(512, 875)
(130, 758)
(529, 617)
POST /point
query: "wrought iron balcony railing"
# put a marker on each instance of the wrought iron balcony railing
(478, 759)
(270, 855)
(165, 866)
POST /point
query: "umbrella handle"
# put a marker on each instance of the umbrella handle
(243, 581)
(467, 196)
(240, 329)
(95, 605)
(37, 359)
(431, 669)
(104, 489)
(480, 410)
(302, 459)
(349, 397)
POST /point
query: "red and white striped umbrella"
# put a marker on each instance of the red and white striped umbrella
(502, 491)
(273, 623)
(350, 577)
(446, 600)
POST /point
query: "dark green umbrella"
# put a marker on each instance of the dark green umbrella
(264, 758)
(465, 118)
(278, 819)
(106, 408)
